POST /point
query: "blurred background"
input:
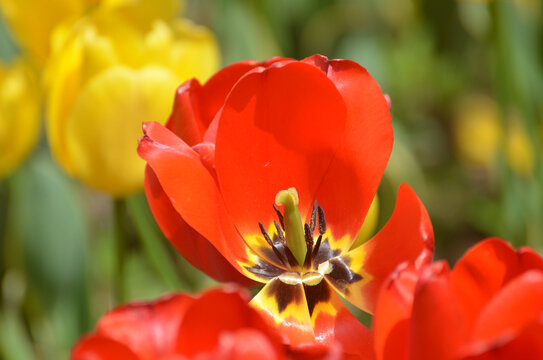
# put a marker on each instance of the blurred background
(77, 78)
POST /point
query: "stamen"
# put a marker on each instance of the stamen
(280, 216)
(308, 236)
(313, 221)
(269, 240)
(280, 234)
(316, 248)
(309, 244)
(265, 233)
(322, 221)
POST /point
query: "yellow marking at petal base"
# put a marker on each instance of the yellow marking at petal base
(252, 261)
(260, 246)
(324, 317)
(325, 307)
(352, 292)
(286, 306)
(342, 244)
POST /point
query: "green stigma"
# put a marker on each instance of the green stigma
(294, 228)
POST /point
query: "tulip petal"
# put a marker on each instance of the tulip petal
(485, 269)
(408, 236)
(526, 345)
(147, 329)
(312, 315)
(517, 304)
(192, 191)
(245, 344)
(104, 125)
(185, 120)
(100, 348)
(351, 182)
(437, 326)
(20, 114)
(196, 105)
(392, 313)
(195, 248)
(216, 313)
(279, 128)
(286, 307)
(333, 322)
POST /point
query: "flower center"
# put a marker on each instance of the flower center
(297, 246)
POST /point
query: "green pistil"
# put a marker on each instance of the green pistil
(293, 223)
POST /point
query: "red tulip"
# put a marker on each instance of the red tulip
(267, 171)
(219, 324)
(490, 306)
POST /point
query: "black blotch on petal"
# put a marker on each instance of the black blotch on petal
(325, 253)
(316, 294)
(342, 275)
(265, 270)
(284, 294)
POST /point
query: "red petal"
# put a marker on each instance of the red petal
(529, 259)
(279, 128)
(185, 120)
(100, 348)
(245, 344)
(148, 329)
(191, 190)
(197, 105)
(216, 89)
(408, 236)
(437, 327)
(317, 352)
(392, 314)
(526, 345)
(485, 269)
(356, 339)
(351, 182)
(517, 304)
(215, 314)
(195, 248)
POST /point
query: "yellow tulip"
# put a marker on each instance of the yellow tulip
(19, 115)
(519, 150)
(105, 78)
(478, 130)
(33, 21)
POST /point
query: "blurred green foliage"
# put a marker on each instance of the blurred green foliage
(58, 245)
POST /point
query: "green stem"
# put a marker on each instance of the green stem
(152, 242)
(119, 227)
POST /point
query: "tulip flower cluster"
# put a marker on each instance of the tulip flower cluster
(106, 66)
(264, 175)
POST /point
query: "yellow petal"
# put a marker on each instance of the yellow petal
(190, 50)
(519, 148)
(105, 123)
(19, 115)
(478, 130)
(142, 13)
(32, 21)
(79, 54)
